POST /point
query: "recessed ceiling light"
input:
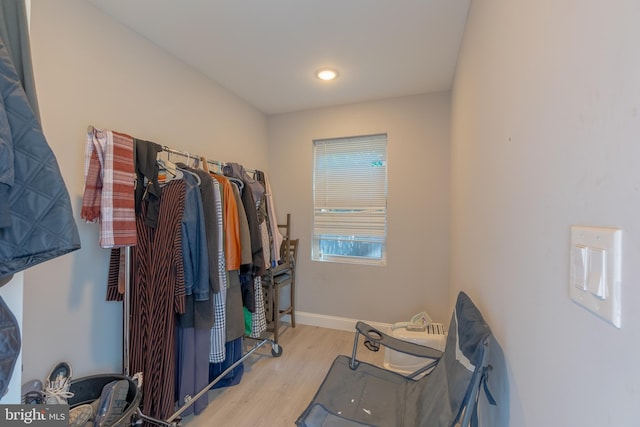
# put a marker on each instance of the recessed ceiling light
(326, 74)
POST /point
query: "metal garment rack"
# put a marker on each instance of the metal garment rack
(174, 419)
(190, 156)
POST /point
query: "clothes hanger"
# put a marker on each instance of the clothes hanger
(205, 165)
(237, 182)
(167, 170)
(196, 161)
(195, 175)
(218, 166)
(167, 166)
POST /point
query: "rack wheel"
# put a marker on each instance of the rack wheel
(276, 350)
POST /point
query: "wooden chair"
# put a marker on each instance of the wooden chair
(279, 277)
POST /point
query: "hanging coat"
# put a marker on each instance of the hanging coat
(36, 219)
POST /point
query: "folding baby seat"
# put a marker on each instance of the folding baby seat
(355, 393)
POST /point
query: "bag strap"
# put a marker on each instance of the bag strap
(482, 385)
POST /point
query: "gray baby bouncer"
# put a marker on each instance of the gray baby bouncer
(355, 393)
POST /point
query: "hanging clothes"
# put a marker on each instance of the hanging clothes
(233, 256)
(194, 241)
(14, 32)
(265, 220)
(259, 317)
(234, 352)
(253, 203)
(14, 36)
(201, 246)
(210, 224)
(147, 188)
(236, 170)
(36, 218)
(192, 333)
(218, 339)
(157, 294)
(235, 319)
(250, 192)
(266, 242)
(232, 249)
(246, 257)
(276, 236)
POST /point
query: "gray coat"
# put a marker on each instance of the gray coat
(36, 219)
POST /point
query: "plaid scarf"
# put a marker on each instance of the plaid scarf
(109, 187)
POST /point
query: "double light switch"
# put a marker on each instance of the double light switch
(595, 270)
(590, 267)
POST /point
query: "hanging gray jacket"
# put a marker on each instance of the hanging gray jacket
(36, 219)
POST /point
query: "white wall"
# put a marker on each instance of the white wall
(416, 275)
(91, 70)
(545, 130)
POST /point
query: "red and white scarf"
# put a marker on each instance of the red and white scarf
(109, 187)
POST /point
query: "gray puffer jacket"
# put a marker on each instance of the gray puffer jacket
(36, 219)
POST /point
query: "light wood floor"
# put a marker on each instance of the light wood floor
(274, 391)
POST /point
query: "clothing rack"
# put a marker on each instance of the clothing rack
(276, 349)
(190, 156)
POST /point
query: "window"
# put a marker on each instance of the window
(350, 200)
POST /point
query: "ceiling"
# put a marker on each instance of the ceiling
(266, 52)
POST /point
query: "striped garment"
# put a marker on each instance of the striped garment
(218, 337)
(157, 295)
(232, 248)
(109, 187)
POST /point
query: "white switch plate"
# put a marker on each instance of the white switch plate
(595, 270)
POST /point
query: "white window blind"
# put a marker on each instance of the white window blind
(350, 199)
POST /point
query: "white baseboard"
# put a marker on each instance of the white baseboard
(332, 322)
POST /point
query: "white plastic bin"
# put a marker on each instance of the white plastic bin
(434, 336)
